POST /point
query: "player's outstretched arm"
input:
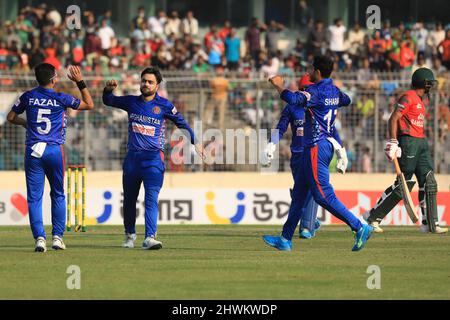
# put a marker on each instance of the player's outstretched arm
(109, 99)
(86, 100)
(299, 98)
(14, 118)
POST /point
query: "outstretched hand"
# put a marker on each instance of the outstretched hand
(75, 74)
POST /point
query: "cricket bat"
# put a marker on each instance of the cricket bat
(407, 200)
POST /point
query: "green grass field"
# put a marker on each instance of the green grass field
(226, 262)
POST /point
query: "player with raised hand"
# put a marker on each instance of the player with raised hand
(408, 143)
(144, 161)
(44, 154)
(321, 100)
(295, 117)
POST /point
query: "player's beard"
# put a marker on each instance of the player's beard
(147, 92)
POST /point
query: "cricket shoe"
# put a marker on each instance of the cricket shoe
(130, 238)
(439, 230)
(40, 245)
(58, 243)
(150, 243)
(278, 242)
(362, 236)
(317, 225)
(306, 234)
(376, 227)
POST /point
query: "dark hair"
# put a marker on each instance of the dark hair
(44, 73)
(324, 64)
(155, 71)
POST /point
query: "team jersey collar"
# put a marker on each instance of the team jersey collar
(325, 81)
(156, 98)
(40, 88)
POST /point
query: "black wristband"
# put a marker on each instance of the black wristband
(81, 85)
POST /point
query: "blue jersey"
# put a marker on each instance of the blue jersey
(294, 116)
(322, 101)
(146, 120)
(46, 117)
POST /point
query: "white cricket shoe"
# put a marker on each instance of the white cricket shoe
(130, 238)
(376, 227)
(150, 243)
(439, 230)
(40, 245)
(58, 243)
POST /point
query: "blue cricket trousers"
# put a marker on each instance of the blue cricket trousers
(52, 166)
(314, 176)
(148, 167)
(308, 218)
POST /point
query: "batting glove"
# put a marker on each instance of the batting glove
(392, 150)
(268, 154)
(342, 160)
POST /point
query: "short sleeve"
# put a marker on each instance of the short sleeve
(20, 105)
(313, 100)
(403, 104)
(69, 101)
(344, 99)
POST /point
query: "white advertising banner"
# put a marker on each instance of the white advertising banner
(206, 206)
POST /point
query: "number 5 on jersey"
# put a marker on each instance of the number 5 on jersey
(41, 118)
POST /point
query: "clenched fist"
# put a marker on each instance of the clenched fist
(111, 85)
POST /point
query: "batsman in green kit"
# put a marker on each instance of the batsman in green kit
(409, 144)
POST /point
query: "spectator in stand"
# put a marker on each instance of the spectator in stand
(253, 37)
(190, 24)
(273, 35)
(216, 51)
(200, 66)
(197, 52)
(106, 34)
(407, 55)
(173, 25)
(107, 16)
(435, 37)
(219, 97)
(377, 49)
(421, 35)
(394, 51)
(445, 46)
(232, 50)
(306, 15)
(408, 37)
(270, 67)
(437, 67)
(209, 36)
(140, 36)
(355, 42)
(225, 31)
(421, 63)
(337, 36)
(141, 17)
(51, 58)
(386, 32)
(4, 53)
(317, 39)
(157, 24)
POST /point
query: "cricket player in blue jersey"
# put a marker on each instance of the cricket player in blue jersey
(321, 100)
(295, 116)
(44, 154)
(144, 161)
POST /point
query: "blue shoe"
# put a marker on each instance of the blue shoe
(277, 242)
(306, 234)
(317, 225)
(362, 236)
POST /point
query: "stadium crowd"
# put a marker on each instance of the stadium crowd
(174, 43)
